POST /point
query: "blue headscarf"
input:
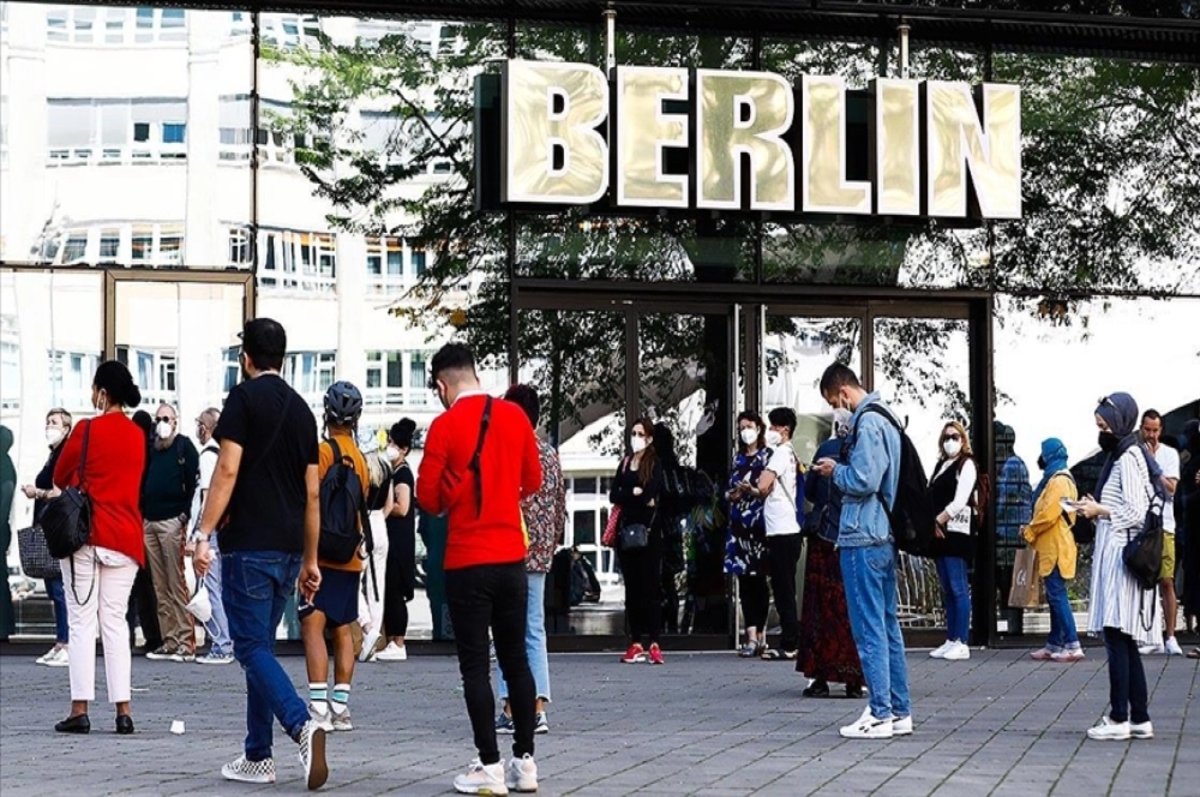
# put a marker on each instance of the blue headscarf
(1120, 412)
(1054, 459)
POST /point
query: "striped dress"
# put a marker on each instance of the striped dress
(1116, 599)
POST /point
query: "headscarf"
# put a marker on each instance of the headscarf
(1120, 412)
(1054, 457)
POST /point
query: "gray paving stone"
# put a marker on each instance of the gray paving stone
(705, 723)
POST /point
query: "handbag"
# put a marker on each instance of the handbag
(609, 538)
(1143, 552)
(634, 536)
(36, 561)
(67, 519)
(1023, 592)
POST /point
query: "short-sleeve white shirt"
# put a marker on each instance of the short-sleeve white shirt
(1168, 459)
(779, 510)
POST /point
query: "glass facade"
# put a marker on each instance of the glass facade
(158, 181)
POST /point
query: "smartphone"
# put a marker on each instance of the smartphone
(1068, 505)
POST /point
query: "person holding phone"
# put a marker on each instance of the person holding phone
(1049, 533)
(1120, 610)
(746, 540)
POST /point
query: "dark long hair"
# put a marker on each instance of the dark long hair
(756, 419)
(649, 454)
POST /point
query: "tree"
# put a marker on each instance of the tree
(1112, 181)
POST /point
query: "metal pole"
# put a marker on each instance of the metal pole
(610, 40)
(902, 29)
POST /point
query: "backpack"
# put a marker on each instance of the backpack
(911, 516)
(344, 521)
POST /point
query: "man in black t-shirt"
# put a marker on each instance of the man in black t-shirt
(264, 500)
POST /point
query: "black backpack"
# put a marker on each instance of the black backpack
(344, 522)
(911, 516)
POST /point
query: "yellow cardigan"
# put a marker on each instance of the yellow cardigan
(1049, 532)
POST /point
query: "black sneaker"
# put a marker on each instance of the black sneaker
(504, 723)
(542, 725)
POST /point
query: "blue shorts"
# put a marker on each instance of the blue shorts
(337, 598)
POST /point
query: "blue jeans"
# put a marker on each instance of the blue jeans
(535, 640)
(869, 574)
(54, 588)
(1063, 635)
(255, 587)
(956, 595)
(218, 626)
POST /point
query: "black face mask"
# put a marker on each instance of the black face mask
(1108, 441)
(1041, 463)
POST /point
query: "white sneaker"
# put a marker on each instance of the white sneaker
(521, 774)
(49, 654)
(1141, 730)
(324, 719)
(902, 726)
(370, 640)
(1172, 647)
(59, 659)
(312, 755)
(1152, 650)
(393, 652)
(940, 652)
(868, 727)
(1109, 731)
(250, 771)
(482, 778)
(957, 652)
(342, 721)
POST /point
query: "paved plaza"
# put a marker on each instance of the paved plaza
(706, 723)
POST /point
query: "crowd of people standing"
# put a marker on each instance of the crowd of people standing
(268, 507)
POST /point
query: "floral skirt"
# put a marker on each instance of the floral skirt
(827, 650)
(746, 550)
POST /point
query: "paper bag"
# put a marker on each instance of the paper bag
(1025, 580)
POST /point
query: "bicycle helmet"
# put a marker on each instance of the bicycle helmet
(343, 404)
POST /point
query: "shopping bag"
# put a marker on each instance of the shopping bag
(1025, 580)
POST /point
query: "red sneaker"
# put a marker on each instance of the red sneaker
(635, 655)
(656, 656)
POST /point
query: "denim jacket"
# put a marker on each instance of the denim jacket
(871, 467)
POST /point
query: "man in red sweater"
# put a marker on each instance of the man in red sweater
(481, 459)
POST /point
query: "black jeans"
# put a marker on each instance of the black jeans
(755, 600)
(479, 598)
(783, 553)
(143, 610)
(1126, 678)
(640, 568)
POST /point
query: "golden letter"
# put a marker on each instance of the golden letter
(823, 184)
(990, 147)
(896, 168)
(552, 151)
(743, 113)
(644, 130)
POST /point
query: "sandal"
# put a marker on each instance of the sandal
(779, 655)
(1194, 653)
(749, 650)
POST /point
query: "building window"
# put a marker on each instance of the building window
(110, 246)
(239, 246)
(71, 375)
(418, 261)
(154, 372)
(385, 265)
(142, 252)
(173, 132)
(310, 373)
(294, 260)
(75, 249)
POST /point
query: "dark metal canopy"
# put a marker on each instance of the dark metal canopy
(1159, 30)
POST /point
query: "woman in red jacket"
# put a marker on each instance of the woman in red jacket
(99, 576)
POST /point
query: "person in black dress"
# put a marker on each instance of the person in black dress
(400, 512)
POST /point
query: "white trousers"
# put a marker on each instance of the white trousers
(103, 611)
(370, 608)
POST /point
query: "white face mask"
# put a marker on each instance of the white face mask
(774, 438)
(163, 429)
(53, 436)
(638, 444)
(749, 436)
(952, 447)
(393, 453)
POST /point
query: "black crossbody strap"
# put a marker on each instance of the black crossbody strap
(476, 465)
(87, 432)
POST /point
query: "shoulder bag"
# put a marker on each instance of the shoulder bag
(36, 561)
(1143, 551)
(67, 519)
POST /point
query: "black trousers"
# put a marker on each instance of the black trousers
(756, 601)
(783, 554)
(143, 610)
(401, 577)
(495, 597)
(640, 568)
